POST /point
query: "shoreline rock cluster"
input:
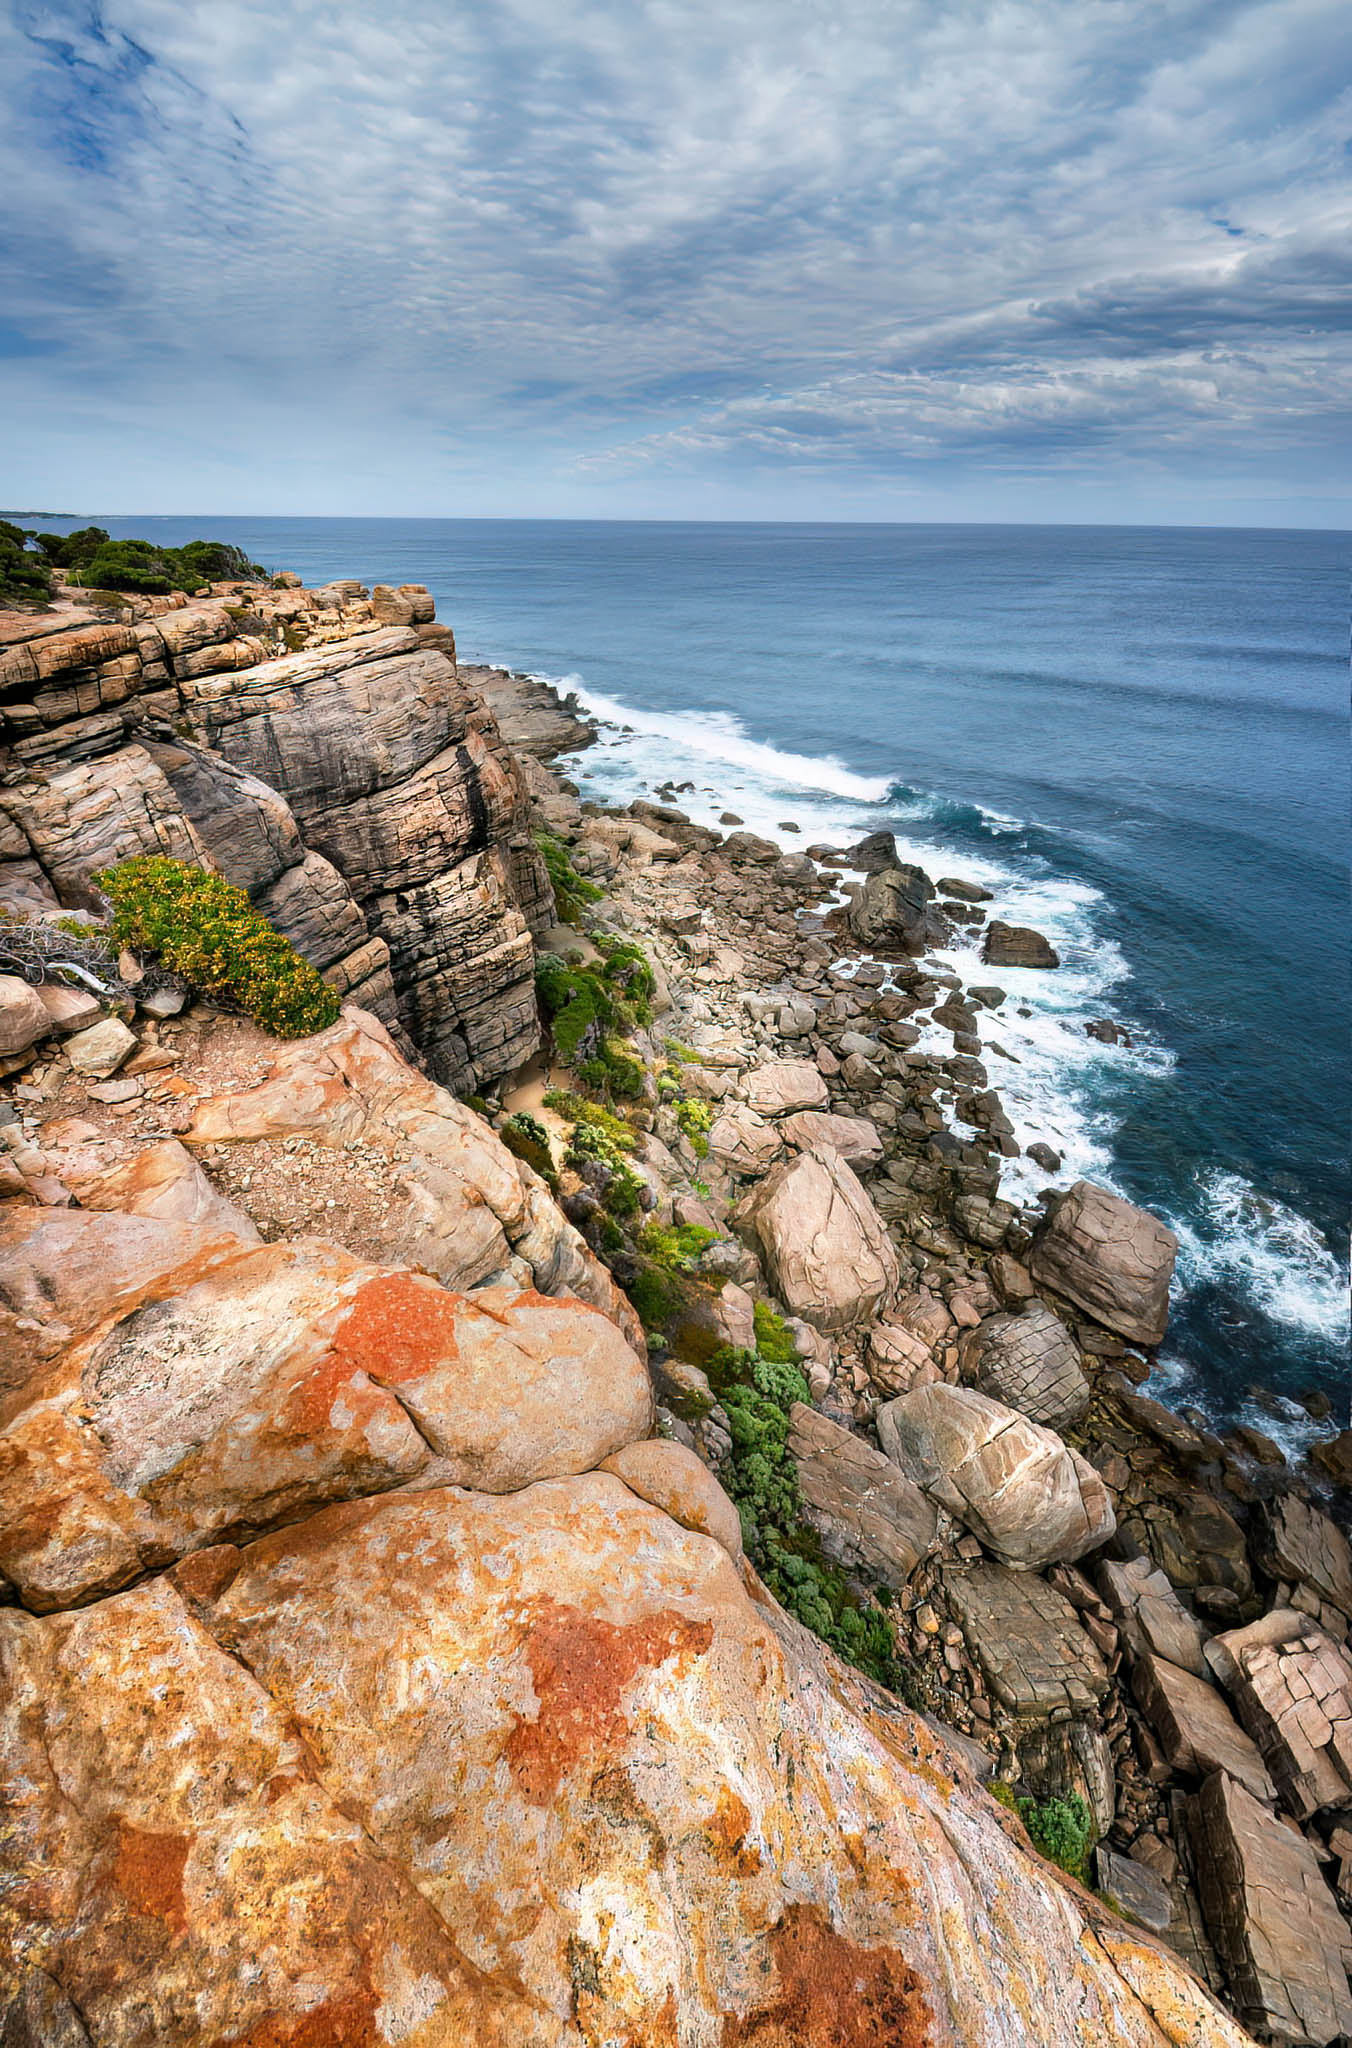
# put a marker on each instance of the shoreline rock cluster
(390, 1483)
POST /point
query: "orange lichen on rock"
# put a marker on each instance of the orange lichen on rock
(149, 1873)
(400, 1328)
(832, 1992)
(581, 1667)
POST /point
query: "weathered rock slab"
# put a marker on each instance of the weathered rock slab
(1030, 1362)
(1284, 1945)
(827, 1247)
(1025, 1494)
(1292, 1688)
(1111, 1259)
(449, 1768)
(1028, 1640)
(869, 1516)
(1196, 1730)
(782, 1086)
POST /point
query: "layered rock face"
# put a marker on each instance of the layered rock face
(323, 752)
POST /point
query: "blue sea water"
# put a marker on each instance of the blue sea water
(1136, 736)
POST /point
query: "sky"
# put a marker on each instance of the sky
(818, 259)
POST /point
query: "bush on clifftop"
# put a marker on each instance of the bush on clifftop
(94, 561)
(24, 579)
(206, 929)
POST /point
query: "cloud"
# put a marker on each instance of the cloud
(565, 242)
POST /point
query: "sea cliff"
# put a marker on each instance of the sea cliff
(608, 1530)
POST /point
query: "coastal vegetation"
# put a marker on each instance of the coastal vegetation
(92, 560)
(202, 927)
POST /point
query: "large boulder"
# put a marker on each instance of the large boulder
(1196, 1730)
(1292, 1688)
(283, 1377)
(855, 1138)
(23, 1017)
(895, 910)
(1150, 1614)
(870, 1517)
(1285, 1947)
(1306, 1552)
(826, 1246)
(526, 1771)
(743, 1142)
(1017, 945)
(783, 1085)
(1030, 1362)
(1028, 1640)
(463, 1208)
(1026, 1495)
(1110, 1258)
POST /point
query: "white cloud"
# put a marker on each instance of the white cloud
(578, 238)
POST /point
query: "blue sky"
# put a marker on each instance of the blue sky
(1006, 259)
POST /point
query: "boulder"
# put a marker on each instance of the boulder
(1133, 1888)
(869, 1516)
(1017, 945)
(1026, 1495)
(783, 1085)
(871, 854)
(164, 1181)
(895, 909)
(521, 1771)
(1285, 1948)
(23, 1018)
(899, 1360)
(68, 1009)
(1109, 1258)
(1292, 1688)
(283, 1378)
(1150, 1614)
(826, 1246)
(855, 1138)
(1028, 1641)
(965, 892)
(1194, 1727)
(743, 1142)
(1030, 1362)
(675, 1480)
(1297, 1545)
(100, 1051)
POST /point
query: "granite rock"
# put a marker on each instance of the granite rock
(1109, 1258)
(1026, 1495)
(869, 1516)
(1030, 1362)
(826, 1246)
(1284, 1946)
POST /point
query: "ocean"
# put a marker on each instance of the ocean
(1136, 737)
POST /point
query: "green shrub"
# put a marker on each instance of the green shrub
(677, 1246)
(572, 891)
(580, 1109)
(24, 577)
(773, 1341)
(695, 1119)
(757, 1395)
(206, 929)
(526, 1137)
(1062, 1830)
(94, 561)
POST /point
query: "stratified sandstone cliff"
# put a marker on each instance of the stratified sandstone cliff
(321, 750)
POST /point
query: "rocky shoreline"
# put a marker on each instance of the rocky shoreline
(1068, 1680)
(701, 1320)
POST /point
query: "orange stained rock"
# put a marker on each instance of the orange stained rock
(581, 1667)
(832, 1992)
(399, 1328)
(149, 1873)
